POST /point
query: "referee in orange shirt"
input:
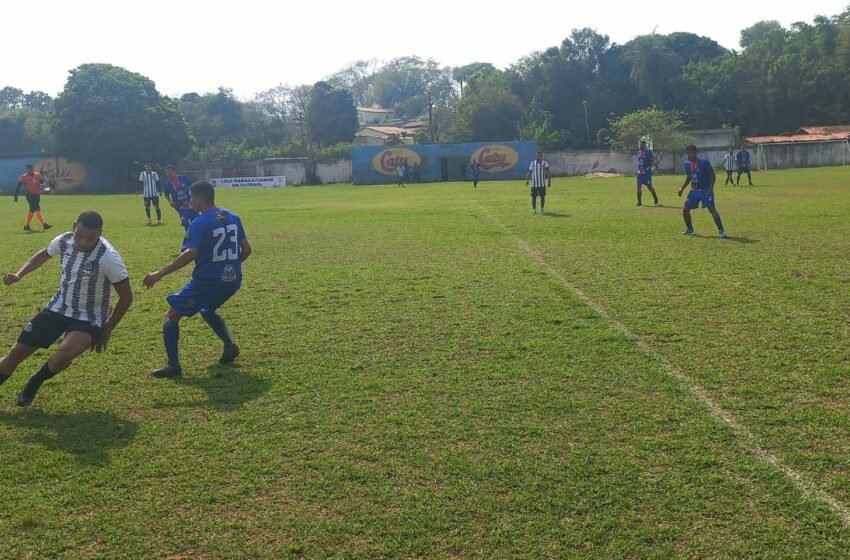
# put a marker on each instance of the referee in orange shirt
(33, 182)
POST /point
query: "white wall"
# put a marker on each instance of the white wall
(334, 172)
(295, 170)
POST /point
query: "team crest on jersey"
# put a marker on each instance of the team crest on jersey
(221, 217)
(228, 274)
(88, 267)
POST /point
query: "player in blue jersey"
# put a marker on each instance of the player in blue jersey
(475, 166)
(217, 243)
(699, 174)
(743, 160)
(176, 190)
(645, 162)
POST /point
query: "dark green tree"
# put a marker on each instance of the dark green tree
(113, 116)
(331, 115)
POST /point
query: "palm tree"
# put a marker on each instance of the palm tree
(652, 65)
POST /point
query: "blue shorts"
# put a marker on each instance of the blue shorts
(645, 179)
(696, 197)
(186, 217)
(194, 298)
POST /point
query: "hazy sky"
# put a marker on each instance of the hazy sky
(251, 45)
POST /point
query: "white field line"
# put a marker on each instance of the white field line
(745, 436)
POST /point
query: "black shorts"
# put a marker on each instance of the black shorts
(149, 199)
(34, 201)
(538, 191)
(46, 327)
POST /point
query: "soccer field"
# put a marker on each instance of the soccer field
(432, 372)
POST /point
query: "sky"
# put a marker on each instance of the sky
(251, 45)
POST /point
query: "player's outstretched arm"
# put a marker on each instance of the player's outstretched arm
(185, 258)
(125, 299)
(245, 250)
(32, 264)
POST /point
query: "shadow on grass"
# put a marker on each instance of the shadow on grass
(88, 436)
(554, 215)
(744, 240)
(227, 388)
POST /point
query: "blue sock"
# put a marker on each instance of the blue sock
(216, 323)
(718, 223)
(171, 336)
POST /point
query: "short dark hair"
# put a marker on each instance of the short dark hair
(171, 167)
(204, 189)
(691, 148)
(29, 165)
(90, 220)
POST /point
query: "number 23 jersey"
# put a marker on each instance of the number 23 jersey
(217, 235)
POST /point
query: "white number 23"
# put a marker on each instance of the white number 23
(229, 252)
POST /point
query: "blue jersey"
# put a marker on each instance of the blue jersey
(179, 193)
(701, 176)
(743, 158)
(644, 162)
(476, 169)
(217, 235)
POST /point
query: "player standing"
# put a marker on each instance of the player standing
(538, 174)
(645, 162)
(700, 175)
(216, 242)
(177, 191)
(33, 182)
(150, 190)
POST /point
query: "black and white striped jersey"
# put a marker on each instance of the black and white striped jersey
(86, 279)
(538, 173)
(150, 183)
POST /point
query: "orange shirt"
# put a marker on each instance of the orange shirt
(32, 182)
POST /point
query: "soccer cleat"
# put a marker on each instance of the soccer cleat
(27, 228)
(229, 354)
(167, 372)
(688, 231)
(534, 210)
(639, 204)
(26, 397)
(46, 226)
(722, 233)
(542, 211)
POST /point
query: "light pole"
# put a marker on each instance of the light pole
(587, 125)
(430, 116)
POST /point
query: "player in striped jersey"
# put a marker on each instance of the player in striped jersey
(149, 180)
(538, 174)
(90, 269)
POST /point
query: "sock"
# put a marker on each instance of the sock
(171, 337)
(40, 217)
(640, 196)
(688, 223)
(34, 383)
(542, 202)
(534, 203)
(29, 218)
(654, 196)
(158, 214)
(719, 223)
(148, 212)
(216, 323)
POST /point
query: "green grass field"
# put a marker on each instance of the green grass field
(435, 373)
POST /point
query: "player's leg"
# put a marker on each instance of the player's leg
(148, 209)
(35, 207)
(738, 179)
(717, 221)
(74, 344)
(533, 200)
(542, 199)
(690, 203)
(13, 358)
(651, 189)
(639, 193)
(750, 177)
(219, 327)
(155, 201)
(171, 341)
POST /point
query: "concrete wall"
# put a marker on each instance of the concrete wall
(801, 155)
(334, 172)
(295, 170)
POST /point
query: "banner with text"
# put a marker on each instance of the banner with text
(249, 182)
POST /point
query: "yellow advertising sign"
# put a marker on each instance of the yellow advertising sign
(386, 162)
(61, 174)
(496, 158)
